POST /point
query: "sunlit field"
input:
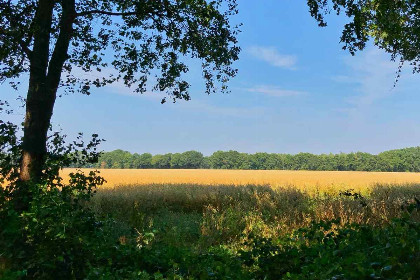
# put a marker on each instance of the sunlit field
(306, 180)
(258, 232)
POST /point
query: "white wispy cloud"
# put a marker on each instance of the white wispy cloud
(212, 109)
(194, 105)
(118, 87)
(274, 91)
(342, 79)
(273, 57)
(374, 75)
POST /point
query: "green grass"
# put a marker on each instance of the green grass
(212, 232)
(146, 206)
(253, 232)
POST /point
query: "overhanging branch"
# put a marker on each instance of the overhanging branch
(99, 12)
(25, 49)
(23, 45)
(59, 55)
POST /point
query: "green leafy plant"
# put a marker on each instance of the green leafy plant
(55, 234)
(327, 251)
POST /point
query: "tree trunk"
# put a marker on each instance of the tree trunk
(39, 108)
(38, 102)
(44, 80)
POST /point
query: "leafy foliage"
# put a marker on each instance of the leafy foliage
(142, 40)
(57, 235)
(393, 25)
(326, 251)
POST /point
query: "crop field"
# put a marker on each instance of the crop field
(304, 180)
(258, 224)
(259, 232)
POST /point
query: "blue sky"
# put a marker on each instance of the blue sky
(296, 91)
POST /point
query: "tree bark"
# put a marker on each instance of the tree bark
(37, 118)
(44, 80)
(39, 108)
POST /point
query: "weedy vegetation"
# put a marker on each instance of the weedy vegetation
(189, 231)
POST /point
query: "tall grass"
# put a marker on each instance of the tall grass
(205, 215)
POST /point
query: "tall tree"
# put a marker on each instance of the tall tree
(394, 25)
(58, 41)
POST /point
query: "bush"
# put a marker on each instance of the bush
(326, 251)
(55, 235)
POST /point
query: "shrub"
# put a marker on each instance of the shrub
(55, 235)
(327, 251)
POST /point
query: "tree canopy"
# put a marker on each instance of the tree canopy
(401, 160)
(394, 26)
(139, 39)
(76, 45)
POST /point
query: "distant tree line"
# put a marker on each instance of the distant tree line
(402, 160)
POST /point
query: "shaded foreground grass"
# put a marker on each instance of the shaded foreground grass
(141, 205)
(256, 232)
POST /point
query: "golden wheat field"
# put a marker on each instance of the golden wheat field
(307, 180)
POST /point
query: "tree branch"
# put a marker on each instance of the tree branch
(59, 55)
(22, 44)
(99, 12)
(25, 49)
(28, 41)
